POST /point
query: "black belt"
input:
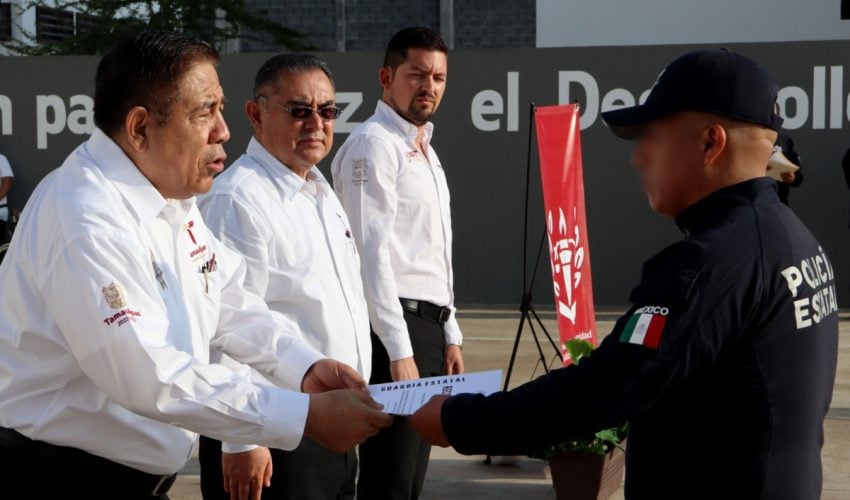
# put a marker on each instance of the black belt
(128, 477)
(427, 309)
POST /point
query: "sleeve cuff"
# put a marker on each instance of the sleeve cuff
(237, 448)
(397, 346)
(295, 360)
(452, 329)
(286, 417)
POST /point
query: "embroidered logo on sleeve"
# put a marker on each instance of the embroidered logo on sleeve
(645, 326)
(115, 298)
(358, 172)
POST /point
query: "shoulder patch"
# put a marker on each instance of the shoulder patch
(114, 295)
(358, 172)
(646, 326)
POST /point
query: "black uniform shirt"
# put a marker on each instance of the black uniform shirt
(723, 367)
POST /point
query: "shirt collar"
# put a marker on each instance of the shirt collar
(287, 180)
(714, 208)
(390, 116)
(144, 200)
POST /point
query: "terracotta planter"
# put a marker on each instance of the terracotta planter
(581, 476)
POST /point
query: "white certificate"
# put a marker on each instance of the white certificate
(405, 397)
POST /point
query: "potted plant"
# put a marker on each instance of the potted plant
(588, 467)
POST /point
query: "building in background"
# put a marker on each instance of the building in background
(327, 25)
(353, 25)
(594, 23)
(347, 25)
(37, 24)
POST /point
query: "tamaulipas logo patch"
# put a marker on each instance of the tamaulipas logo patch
(645, 326)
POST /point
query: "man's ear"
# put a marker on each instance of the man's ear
(136, 125)
(385, 77)
(714, 143)
(252, 109)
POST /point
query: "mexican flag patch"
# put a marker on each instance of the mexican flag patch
(645, 326)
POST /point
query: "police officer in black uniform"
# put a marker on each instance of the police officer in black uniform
(724, 365)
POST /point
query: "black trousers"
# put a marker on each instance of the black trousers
(309, 472)
(393, 463)
(39, 470)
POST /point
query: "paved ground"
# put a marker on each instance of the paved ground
(489, 336)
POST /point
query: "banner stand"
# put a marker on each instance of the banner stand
(528, 315)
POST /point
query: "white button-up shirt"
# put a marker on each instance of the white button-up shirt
(299, 248)
(397, 201)
(110, 300)
(300, 253)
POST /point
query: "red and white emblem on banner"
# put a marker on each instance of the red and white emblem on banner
(566, 253)
(566, 225)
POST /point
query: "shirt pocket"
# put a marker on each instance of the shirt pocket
(208, 283)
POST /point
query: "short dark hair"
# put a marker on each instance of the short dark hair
(412, 38)
(144, 70)
(292, 63)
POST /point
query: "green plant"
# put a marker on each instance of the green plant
(598, 443)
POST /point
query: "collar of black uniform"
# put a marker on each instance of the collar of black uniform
(714, 207)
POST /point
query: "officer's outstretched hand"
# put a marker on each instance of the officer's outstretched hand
(328, 374)
(427, 421)
(340, 420)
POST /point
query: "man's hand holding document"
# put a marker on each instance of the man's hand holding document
(405, 397)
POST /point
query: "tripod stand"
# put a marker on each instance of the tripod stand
(528, 315)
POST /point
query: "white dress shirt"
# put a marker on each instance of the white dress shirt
(5, 171)
(397, 201)
(111, 298)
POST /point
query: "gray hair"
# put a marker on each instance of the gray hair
(292, 63)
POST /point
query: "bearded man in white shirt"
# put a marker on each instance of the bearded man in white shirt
(114, 293)
(275, 207)
(394, 190)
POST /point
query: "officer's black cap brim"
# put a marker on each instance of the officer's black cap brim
(628, 123)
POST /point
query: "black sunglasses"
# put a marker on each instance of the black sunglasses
(328, 113)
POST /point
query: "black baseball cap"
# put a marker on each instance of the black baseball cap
(713, 81)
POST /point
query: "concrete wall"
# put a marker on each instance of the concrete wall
(481, 136)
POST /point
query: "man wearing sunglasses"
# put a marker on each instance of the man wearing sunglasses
(275, 208)
(394, 189)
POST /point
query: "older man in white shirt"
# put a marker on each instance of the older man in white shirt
(114, 292)
(274, 207)
(394, 190)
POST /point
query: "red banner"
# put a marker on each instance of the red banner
(563, 200)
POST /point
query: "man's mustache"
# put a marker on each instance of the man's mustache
(214, 155)
(322, 137)
(430, 97)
